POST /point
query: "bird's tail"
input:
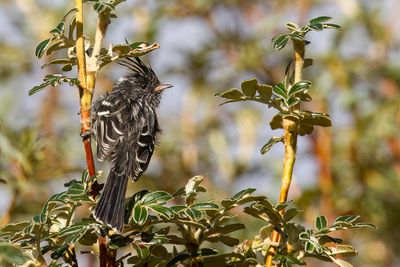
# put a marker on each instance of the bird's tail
(110, 208)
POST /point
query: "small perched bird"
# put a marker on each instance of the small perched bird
(125, 127)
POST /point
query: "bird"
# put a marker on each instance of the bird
(125, 127)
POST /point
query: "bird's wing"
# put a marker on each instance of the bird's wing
(108, 124)
(145, 144)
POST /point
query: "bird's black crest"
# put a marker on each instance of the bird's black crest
(139, 68)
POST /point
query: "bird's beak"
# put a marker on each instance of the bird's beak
(162, 87)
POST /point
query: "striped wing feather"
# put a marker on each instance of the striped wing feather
(109, 127)
(144, 151)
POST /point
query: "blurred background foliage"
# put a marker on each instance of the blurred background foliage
(207, 46)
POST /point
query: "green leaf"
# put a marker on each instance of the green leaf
(274, 140)
(142, 251)
(315, 118)
(249, 198)
(88, 239)
(227, 203)
(265, 91)
(243, 193)
(11, 254)
(165, 211)
(305, 129)
(230, 101)
(280, 90)
(328, 239)
(255, 213)
(301, 86)
(296, 36)
(101, 7)
(66, 67)
(208, 251)
(283, 205)
(205, 206)
(368, 225)
(276, 122)
(290, 214)
(75, 232)
(133, 200)
(321, 222)
(274, 217)
(140, 215)
(332, 26)
(73, 10)
(122, 48)
(42, 46)
(157, 197)
(265, 203)
(137, 44)
(308, 62)
(347, 218)
(316, 26)
(118, 241)
(57, 61)
(178, 208)
(14, 227)
(249, 87)
(320, 19)
(59, 43)
(59, 29)
(76, 189)
(231, 94)
(344, 250)
(159, 251)
(292, 101)
(280, 41)
(193, 213)
(304, 235)
(309, 247)
(292, 26)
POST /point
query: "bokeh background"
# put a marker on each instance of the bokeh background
(208, 46)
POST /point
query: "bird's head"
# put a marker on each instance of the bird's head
(142, 78)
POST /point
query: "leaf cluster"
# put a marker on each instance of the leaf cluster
(297, 242)
(52, 230)
(298, 33)
(286, 96)
(190, 225)
(153, 224)
(63, 38)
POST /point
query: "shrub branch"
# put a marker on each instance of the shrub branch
(290, 143)
(87, 78)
